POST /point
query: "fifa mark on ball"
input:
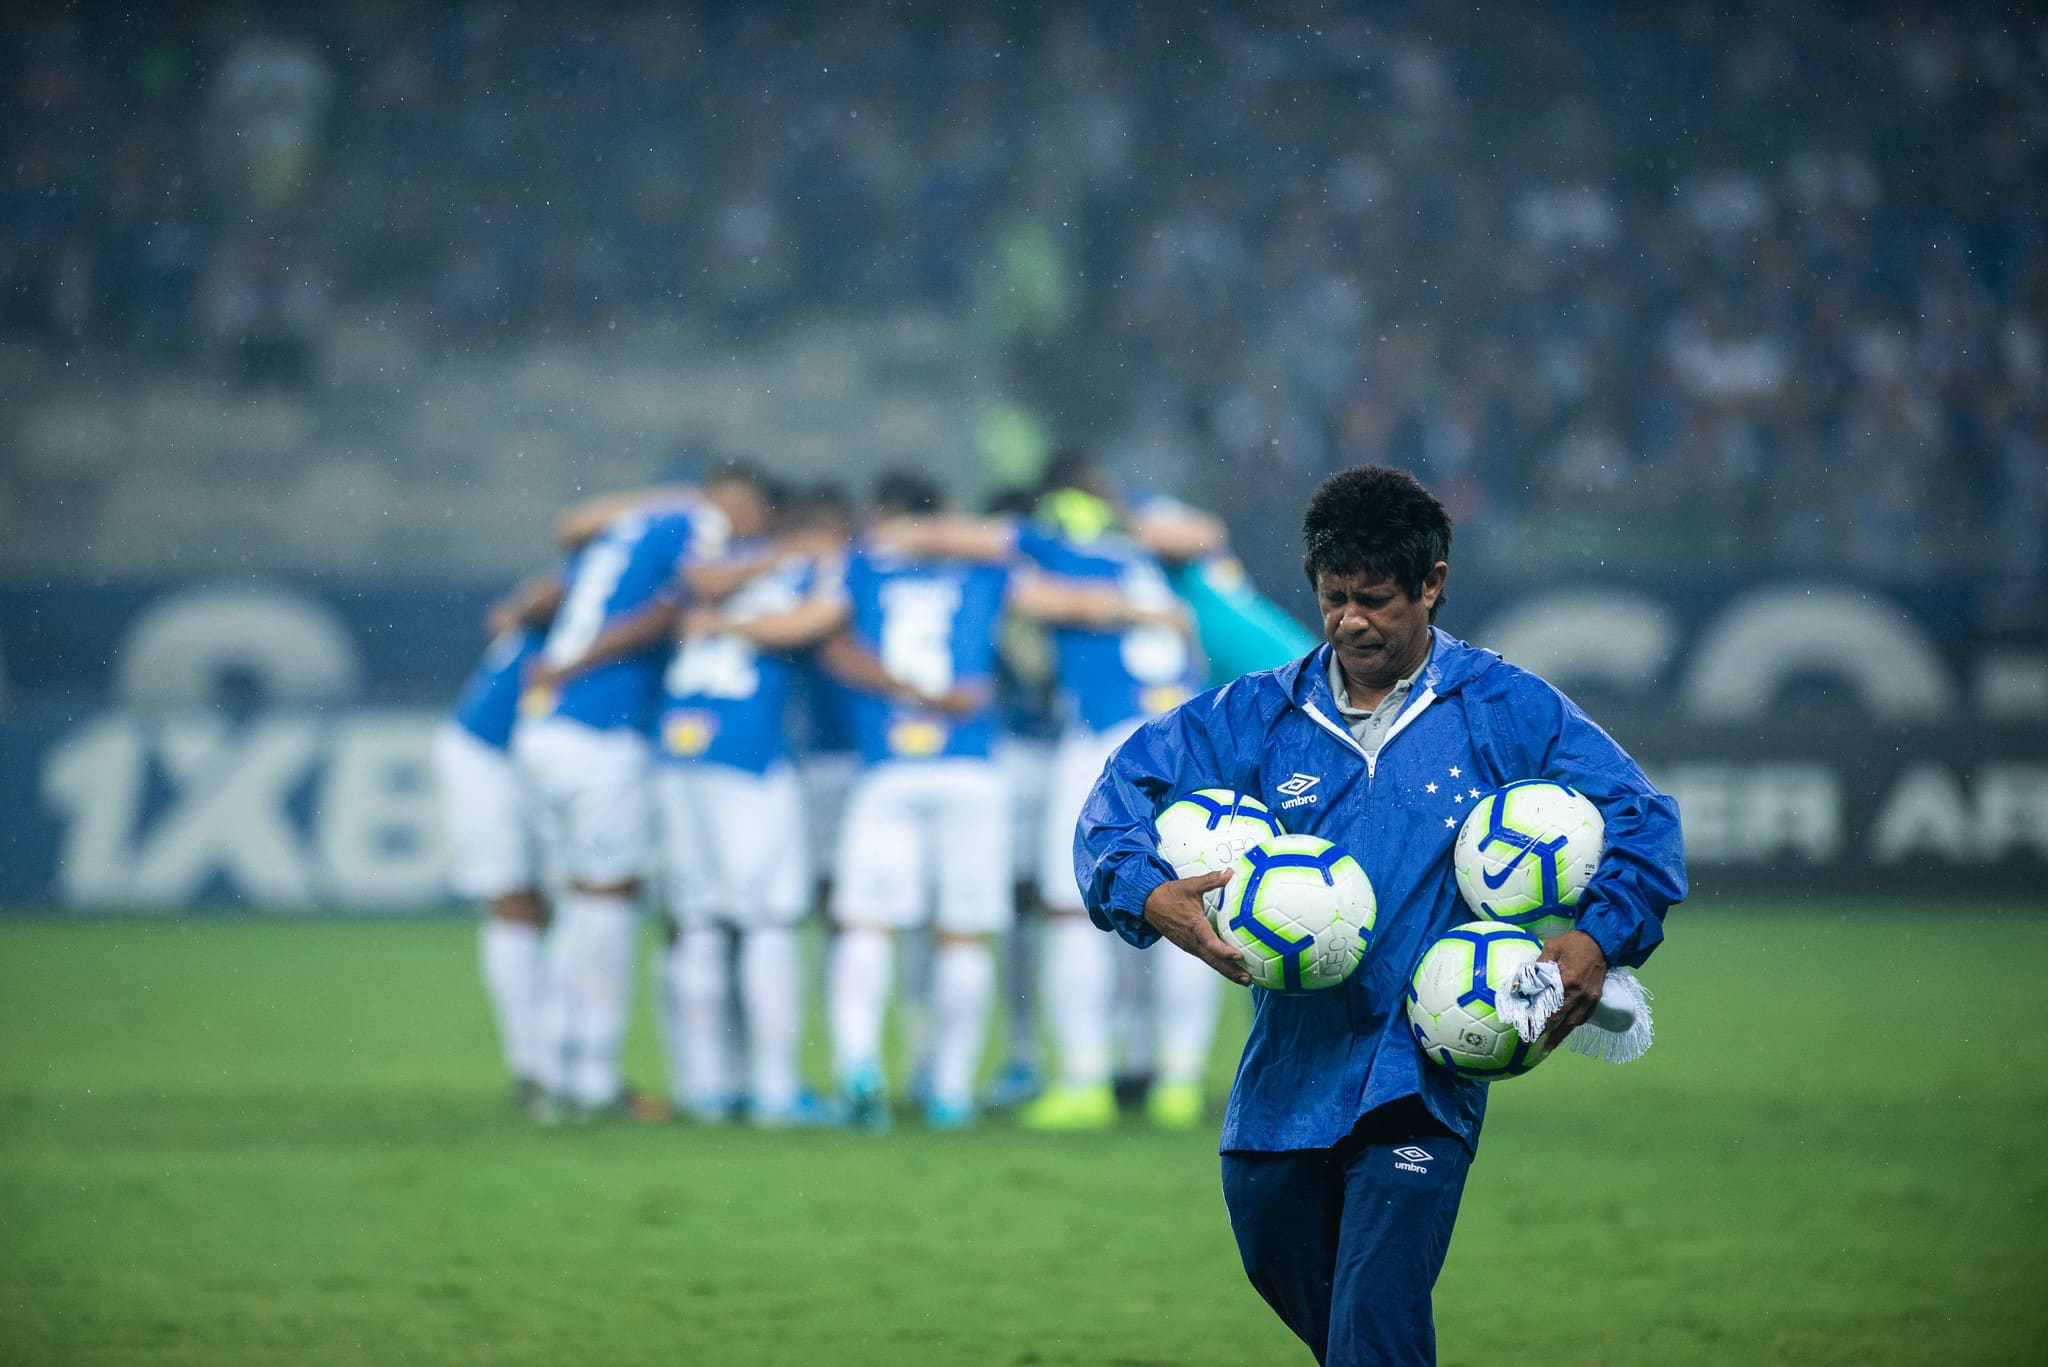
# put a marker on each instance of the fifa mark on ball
(1302, 909)
(1208, 829)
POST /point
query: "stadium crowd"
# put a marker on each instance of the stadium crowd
(1709, 284)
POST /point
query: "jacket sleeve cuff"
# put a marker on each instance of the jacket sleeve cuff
(1619, 935)
(1134, 883)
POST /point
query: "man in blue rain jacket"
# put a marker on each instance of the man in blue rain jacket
(1344, 1150)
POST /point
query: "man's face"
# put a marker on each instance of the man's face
(1379, 633)
(742, 504)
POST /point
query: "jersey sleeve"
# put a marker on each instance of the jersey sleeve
(709, 535)
(1209, 742)
(1641, 874)
(1032, 542)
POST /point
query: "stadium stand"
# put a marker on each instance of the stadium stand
(1744, 286)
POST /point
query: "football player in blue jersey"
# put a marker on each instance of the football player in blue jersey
(930, 806)
(734, 829)
(491, 853)
(583, 747)
(1110, 679)
(1345, 1151)
(1109, 683)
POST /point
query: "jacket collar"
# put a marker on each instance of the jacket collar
(1452, 665)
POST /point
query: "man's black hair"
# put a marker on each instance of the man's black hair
(1015, 501)
(820, 501)
(739, 470)
(907, 491)
(1073, 466)
(1375, 521)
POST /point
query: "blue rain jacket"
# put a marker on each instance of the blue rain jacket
(1315, 1062)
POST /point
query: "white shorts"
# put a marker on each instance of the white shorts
(918, 826)
(1026, 763)
(591, 798)
(734, 845)
(1077, 761)
(489, 838)
(827, 777)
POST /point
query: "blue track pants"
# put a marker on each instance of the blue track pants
(1345, 1243)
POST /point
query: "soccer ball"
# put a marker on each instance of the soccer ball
(1301, 909)
(1451, 1001)
(1208, 829)
(1525, 854)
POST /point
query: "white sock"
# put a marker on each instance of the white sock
(509, 955)
(857, 994)
(1020, 997)
(771, 993)
(668, 1014)
(1078, 977)
(551, 1031)
(700, 977)
(914, 959)
(1187, 994)
(1130, 1012)
(595, 957)
(963, 990)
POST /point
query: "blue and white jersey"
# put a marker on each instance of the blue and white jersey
(932, 624)
(1114, 675)
(725, 700)
(1316, 1062)
(489, 701)
(630, 565)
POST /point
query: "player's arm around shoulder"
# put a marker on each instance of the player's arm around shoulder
(1061, 601)
(814, 620)
(1177, 533)
(531, 604)
(949, 536)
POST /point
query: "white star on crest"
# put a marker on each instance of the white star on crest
(1449, 821)
(1456, 771)
(1457, 797)
(1473, 791)
(1429, 787)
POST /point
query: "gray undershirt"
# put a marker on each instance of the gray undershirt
(1369, 727)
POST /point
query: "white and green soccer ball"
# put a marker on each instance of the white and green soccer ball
(1206, 831)
(1452, 1001)
(1526, 853)
(1301, 909)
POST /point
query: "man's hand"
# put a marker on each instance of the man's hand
(1176, 910)
(960, 701)
(539, 676)
(701, 619)
(1583, 967)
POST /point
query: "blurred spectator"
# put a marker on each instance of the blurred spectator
(1589, 267)
(267, 104)
(270, 316)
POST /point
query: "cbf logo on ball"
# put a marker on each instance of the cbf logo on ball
(1301, 909)
(1454, 996)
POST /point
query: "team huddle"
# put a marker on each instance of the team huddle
(729, 696)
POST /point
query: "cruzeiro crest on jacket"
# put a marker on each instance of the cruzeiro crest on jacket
(1449, 793)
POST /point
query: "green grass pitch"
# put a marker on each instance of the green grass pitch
(270, 1141)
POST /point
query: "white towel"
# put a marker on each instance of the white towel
(1619, 1031)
